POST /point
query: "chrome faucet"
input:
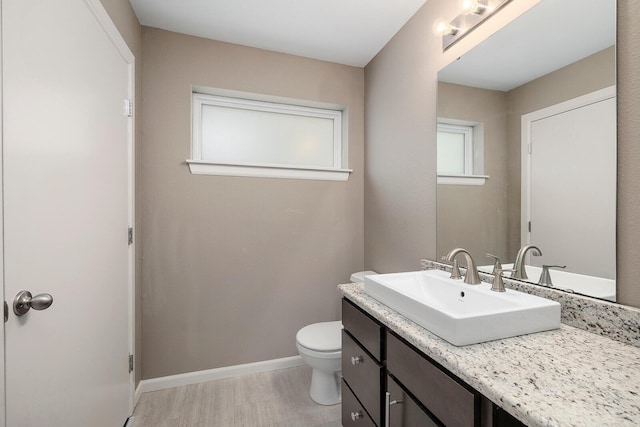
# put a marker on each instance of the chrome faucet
(496, 263)
(471, 277)
(498, 283)
(545, 276)
(518, 265)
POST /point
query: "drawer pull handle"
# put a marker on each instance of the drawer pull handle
(356, 415)
(356, 360)
(388, 402)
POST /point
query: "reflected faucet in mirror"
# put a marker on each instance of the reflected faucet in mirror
(520, 271)
(471, 277)
(545, 276)
(496, 263)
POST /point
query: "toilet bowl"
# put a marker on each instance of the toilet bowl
(319, 346)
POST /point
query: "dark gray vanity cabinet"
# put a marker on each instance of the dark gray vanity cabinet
(386, 382)
(362, 369)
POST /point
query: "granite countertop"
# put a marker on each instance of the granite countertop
(564, 377)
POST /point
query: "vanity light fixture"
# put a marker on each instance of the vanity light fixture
(472, 7)
(443, 28)
(471, 14)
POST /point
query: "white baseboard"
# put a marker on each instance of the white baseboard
(162, 383)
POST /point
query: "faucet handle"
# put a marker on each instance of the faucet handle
(545, 276)
(498, 284)
(496, 263)
(455, 271)
(455, 268)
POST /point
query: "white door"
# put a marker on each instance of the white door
(573, 188)
(67, 208)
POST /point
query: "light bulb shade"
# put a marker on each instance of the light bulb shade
(472, 7)
(442, 27)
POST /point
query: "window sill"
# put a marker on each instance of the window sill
(462, 179)
(201, 167)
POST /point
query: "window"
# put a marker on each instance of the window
(455, 150)
(265, 137)
(459, 153)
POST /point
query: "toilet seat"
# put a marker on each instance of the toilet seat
(323, 337)
(319, 354)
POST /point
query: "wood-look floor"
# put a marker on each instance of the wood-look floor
(279, 398)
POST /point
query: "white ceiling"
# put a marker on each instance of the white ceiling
(348, 32)
(551, 35)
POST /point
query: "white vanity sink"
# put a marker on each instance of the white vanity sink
(459, 313)
(598, 287)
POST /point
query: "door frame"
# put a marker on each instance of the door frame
(119, 43)
(525, 147)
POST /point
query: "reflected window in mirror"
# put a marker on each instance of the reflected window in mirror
(460, 152)
(455, 149)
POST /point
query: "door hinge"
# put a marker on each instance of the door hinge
(130, 235)
(6, 312)
(130, 363)
(128, 107)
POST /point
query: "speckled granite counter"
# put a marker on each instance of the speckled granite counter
(565, 377)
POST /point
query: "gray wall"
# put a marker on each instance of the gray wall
(400, 128)
(592, 73)
(124, 18)
(234, 266)
(487, 218)
(475, 216)
(400, 190)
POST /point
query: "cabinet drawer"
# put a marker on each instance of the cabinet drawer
(452, 403)
(364, 376)
(353, 414)
(366, 330)
(403, 410)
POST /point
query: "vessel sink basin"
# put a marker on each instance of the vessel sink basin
(459, 313)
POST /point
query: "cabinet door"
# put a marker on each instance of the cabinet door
(402, 410)
(454, 404)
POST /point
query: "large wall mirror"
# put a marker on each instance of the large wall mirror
(527, 146)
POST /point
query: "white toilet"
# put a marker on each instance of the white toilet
(320, 346)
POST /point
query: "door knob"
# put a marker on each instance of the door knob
(25, 301)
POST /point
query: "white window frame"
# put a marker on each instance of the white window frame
(337, 113)
(473, 162)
